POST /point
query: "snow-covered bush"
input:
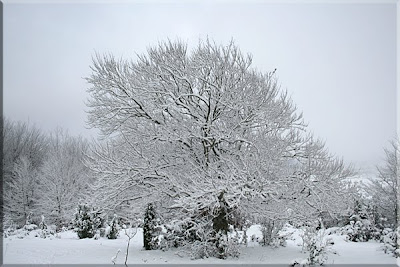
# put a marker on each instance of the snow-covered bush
(358, 231)
(266, 230)
(169, 236)
(182, 233)
(43, 224)
(306, 237)
(44, 230)
(279, 241)
(389, 240)
(228, 246)
(299, 262)
(210, 244)
(103, 231)
(317, 244)
(30, 227)
(206, 234)
(361, 227)
(177, 233)
(202, 249)
(270, 231)
(9, 228)
(31, 230)
(197, 239)
(26, 230)
(112, 231)
(86, 222)
(239, 219)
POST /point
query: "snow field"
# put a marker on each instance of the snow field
(65, 247)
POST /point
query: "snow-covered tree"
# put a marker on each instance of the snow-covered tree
(86, 221)
(192, 125)
(322, 183)
(149, 226)
(24, 148)
(313, 184)
(361, 227)
(318, 246)
(113, 230)
(384, 188)
(63, 178)
(385, 196)
(204, 116)
(42, 175)
(20, 198)
(21, 139)
(119, 187)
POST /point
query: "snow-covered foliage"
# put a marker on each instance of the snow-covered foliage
(9, 228)
(220, 245)
(361, 227)
(317, 244)
(86, 222)
(389, 240)
(366, 223)
(112, 231)
(197, 241)
(358, 231)
(45, 230)
(176, 233)
(270, 231)
(202, 240)
(204, 236)
(227, 246)
(32, 230)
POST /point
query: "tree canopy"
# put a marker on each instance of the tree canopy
(190, 125)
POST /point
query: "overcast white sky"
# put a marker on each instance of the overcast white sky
(337, 61)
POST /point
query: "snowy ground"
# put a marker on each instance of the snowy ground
(67, 248)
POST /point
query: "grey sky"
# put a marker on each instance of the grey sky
(337, 61)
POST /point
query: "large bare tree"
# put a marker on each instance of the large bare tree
(203, 130)
(200, 120)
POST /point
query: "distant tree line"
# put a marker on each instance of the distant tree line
(43, 174)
